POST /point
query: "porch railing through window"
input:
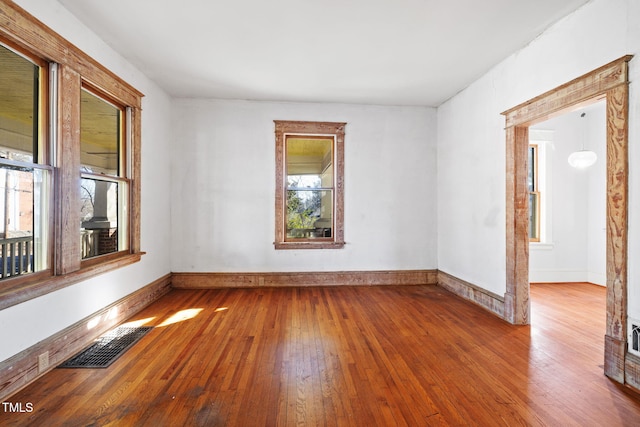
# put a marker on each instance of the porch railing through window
(17, 256)
(89, 240)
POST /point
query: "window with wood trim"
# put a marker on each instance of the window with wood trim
(25, 171)
(534, 194)
(309, 185)
(70, 117)
(104, 184)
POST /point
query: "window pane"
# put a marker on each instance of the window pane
(24, 190)
(23, 220)
(534, 220)
(100, 217)
(18, 107)
(309, 214)
(533, 168)
(99, 135)
(309, 166)
(304, 181)
(311, 156)
(327, 176)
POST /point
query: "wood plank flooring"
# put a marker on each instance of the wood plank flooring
(346, 356)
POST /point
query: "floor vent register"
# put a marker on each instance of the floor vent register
(108, 348)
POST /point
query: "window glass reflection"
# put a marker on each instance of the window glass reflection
(99, 213)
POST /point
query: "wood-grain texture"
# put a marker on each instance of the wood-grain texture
(134, 173)
(517, 288)
(578, 91)
(611, 83)
(66, 239)
(316, 278)
(490, 301)
(287, 127)
(346, 356)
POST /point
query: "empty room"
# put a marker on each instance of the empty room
(319, 213)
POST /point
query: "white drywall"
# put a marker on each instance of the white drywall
(223, 213)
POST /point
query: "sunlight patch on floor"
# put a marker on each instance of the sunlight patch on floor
(181, 316)
(138, 323)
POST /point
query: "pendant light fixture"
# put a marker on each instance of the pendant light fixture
(584, 158)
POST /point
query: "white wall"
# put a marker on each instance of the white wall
(26, 324)
(471, 154)
(223, 215)
(574, 248)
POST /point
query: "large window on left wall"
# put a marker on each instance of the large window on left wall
(104, 183)
(25, 171)
(69, 163)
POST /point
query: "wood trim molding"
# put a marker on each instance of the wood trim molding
(33, 35)
(617, 210)
(22, 369)
(486, 299)
(517, 310)
(614, 358)
(323, 278)
(611, 83)
(574, 93)
(631, 370)
(309, 245)
(337, 130)
(135, 191)
(68, 153)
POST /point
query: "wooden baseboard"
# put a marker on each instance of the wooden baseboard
(486, 299)
(614, 358)
(632, 371)
(23, 368)
(338, 278)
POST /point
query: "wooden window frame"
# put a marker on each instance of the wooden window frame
(71, 70)
(43, 159)
(336, 130)
(120, 177)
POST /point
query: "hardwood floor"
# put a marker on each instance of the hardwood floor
(360, 356)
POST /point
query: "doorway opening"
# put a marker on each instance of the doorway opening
(611, 84)
(567, 203)
(567, 227)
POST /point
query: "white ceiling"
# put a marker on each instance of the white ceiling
(387, 52)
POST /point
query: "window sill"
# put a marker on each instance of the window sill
(539, 246)
(24, 288)
(309, 245)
